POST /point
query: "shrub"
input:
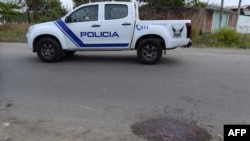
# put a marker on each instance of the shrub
(13, 32)
(201, 39)
(222, 38)
(226, 37)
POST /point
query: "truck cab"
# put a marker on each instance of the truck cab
(99, 26)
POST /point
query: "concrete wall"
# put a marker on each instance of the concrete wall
(243, 25)
(216, 20)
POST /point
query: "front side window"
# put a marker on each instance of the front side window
(115, 11)
(87, 13)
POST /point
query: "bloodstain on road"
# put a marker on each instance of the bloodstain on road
(168, 129)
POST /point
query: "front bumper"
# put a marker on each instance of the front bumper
(188, 45)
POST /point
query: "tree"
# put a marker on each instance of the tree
(9, 11)
(44, 10)
(168, 3)
(196, 3)
(177, 3)
(80, 2)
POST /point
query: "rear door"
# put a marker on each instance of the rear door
(118, 25)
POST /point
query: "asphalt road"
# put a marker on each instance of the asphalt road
(97, 96)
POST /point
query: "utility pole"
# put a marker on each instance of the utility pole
(237, 16)
(221, 12)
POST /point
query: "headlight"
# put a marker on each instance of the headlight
(29, 29)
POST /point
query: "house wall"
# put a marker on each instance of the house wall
(202, 19)
(208, 21)
(243, 25)
(232, 20)
(216, 20)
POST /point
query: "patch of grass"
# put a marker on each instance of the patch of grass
(226, 38)
(13, 32)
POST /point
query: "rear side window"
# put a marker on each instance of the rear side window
(115, 11)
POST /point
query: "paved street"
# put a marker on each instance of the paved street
(97, 96)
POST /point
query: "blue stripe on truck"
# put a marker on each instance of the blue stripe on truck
(70, 34)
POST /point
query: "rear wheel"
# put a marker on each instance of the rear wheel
(149, 51)
(49, 50)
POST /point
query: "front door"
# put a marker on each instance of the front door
(85, 26)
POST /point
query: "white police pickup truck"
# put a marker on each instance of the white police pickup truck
(108, 26)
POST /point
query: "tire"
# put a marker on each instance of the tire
(149, 51)
(49, 50)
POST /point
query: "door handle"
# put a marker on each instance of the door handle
(95, 25)
(125, 24)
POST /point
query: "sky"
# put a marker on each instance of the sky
(228, 2)
(68, 3)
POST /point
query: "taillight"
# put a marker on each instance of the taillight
(189, 29)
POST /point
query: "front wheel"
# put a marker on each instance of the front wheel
(49, 50)
(149, 51)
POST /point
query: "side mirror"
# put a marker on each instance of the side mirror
(68, 19)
